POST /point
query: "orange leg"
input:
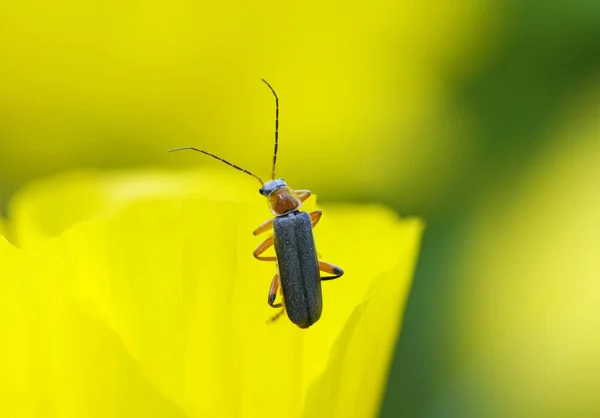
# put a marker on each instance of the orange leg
(264, 246)
(316, 217)
(273, 292)
(275, 286)
(303, 194)
(331, 269)
(265, 226)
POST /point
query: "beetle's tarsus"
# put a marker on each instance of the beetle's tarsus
(272, 303)
(331, 269)
(276, 317)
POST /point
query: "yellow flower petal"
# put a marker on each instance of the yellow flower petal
(13, 328)
(48, 207)
(57, 361)
(169, 303)
(353, 381)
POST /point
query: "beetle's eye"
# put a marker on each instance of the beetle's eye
(261, 191)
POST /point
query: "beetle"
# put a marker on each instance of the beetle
(298, 276)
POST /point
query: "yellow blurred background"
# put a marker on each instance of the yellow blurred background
(108, 84)
(482, 117)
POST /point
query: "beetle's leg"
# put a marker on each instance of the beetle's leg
(276, 316)
(331, 269)
(316, 217)
(264, 246)
(303, 194)
(275, 285)
(273, 292)
(265, 226)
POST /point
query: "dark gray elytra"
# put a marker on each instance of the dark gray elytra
(298, 267)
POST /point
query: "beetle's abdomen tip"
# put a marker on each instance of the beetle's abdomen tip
(338, 270)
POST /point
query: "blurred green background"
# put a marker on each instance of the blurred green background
(483, 117)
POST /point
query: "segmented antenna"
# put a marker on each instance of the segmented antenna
(237, 167)
(276, 128)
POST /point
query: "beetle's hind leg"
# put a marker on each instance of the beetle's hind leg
(331, 269)
(275, 286)
(323, 266)
(273, 292)
(276, 316)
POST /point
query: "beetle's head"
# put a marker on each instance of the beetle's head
(280, 197)
(271, 187)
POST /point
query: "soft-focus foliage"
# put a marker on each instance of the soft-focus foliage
(539, 255)
(151, 304)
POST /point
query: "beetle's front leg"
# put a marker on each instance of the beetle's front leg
(303, 194)
(331, 269)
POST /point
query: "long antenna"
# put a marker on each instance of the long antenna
(276, 128)
(237, 167)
